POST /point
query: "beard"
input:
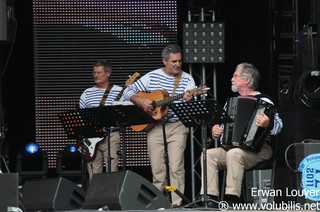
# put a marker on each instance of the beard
(175, 70)
(234, 88)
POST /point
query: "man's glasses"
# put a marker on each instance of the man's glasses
(98, 73)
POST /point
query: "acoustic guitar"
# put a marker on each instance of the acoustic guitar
(161, 100)
(91, 144)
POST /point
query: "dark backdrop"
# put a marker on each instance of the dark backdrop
(247, 39)
(17, 82)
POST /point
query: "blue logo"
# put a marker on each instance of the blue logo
(310, 168)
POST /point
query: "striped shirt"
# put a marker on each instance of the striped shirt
(158, 80)
(91, 97)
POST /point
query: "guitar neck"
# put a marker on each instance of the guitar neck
(169, 100)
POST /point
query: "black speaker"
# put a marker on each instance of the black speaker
(124, 190)
(8, 191)
(51, 195)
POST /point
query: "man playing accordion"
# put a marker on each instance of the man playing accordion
(238, 158)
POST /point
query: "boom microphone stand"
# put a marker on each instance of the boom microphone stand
(193, 114)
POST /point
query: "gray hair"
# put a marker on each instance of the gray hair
(105, 63)
(173, 48)
(249, 70)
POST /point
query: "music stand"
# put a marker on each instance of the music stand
(197, 113)
(79, 127)
(96, 122)
(123, 116)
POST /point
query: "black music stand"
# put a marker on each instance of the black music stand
(79, 127)
(122, 116)
(197, 113)
(96, 122)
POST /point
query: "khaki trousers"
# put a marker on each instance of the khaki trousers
(176, 137)
(235, 161)
(96, 166)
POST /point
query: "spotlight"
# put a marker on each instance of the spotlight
(203, 42)
(69, 159)
(72, 149)
(32, 162)
(69, 164)
(32, 148)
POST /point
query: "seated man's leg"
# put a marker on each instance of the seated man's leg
(215, 161)
(239, 160)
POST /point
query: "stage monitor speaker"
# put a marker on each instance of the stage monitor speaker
(124, 190)
(51, 195)
(8, 191)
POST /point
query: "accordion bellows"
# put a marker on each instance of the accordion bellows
(242, 131)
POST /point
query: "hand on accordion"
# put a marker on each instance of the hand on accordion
(262, 120)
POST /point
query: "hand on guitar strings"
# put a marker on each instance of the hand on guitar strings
(148, 106)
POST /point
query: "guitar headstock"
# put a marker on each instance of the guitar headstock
(199, 90)
(132, 78)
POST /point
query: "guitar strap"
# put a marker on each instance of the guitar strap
(176, 82)
(105, 95)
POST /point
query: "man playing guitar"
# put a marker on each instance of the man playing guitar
(103, 93)
(171, 80)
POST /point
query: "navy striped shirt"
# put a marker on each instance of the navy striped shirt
(277, 125)
(159, 80)
(91, 97)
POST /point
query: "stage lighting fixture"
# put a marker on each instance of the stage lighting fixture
(72, 149)
(32, 148)
(69, 159)
(203, 42)
(69, 164)
(32, 162)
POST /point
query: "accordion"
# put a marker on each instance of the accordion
(242, 131)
